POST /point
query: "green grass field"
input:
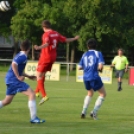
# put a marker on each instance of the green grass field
(62, 111)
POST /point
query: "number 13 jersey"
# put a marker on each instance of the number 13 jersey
(89, 63)
(52, 38)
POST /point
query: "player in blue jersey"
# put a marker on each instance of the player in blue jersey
(91, 62)
(15, 82)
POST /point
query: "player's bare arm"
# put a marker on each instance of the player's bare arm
(126, 69)
(36, 47)
(15, 70)
(100, 67)
(32, 77)
(72, 39)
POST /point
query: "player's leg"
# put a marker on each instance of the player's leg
(121, 73)
(41, 79)
(119, 83)
(32, 106)
(10, 93)
(7, 100)
(118, 79)
(98, 86)
(41, 86)
(40, 83)
(87, 98)
(98, 103)
(37, 90)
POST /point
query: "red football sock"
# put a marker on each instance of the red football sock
(41, 86)
(37, 89)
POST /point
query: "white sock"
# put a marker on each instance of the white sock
(98, 103)
(1, 105)
(32, 108)
(86, 103)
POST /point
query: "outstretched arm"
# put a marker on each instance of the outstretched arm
(32, 77)
(72, 39)
(40, 47)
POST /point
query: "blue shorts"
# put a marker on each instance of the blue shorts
(94, 84)
(16, 87)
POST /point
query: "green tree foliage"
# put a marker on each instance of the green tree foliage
(110, 22)
(27, 22)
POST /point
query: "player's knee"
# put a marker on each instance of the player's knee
(102, 92)
(40, 76)
(32, 96)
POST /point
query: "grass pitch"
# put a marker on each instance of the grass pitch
(62, 111)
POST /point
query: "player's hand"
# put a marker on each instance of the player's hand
(100, 70)
(126, 70)
(32, 77)
(21, 78)
(80, 68)
(36, 47)
(111, 67)
(77, 37)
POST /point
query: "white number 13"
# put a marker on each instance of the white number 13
(88, 61)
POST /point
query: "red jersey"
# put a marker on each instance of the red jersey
(52, 38)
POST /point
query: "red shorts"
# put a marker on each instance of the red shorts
(44, 67)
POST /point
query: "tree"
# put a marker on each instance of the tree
(111, 22)
(72, 11)
(26, 23)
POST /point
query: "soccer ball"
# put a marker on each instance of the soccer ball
(4, 6)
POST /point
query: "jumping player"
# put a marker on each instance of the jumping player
(50, 40)
(91, 62)
(15, 82)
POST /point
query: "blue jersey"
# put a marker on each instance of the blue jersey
(20, 60)
(89, 63)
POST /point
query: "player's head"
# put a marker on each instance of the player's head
(120, 51)
(91, 44)
(46, 24)
(25, 45)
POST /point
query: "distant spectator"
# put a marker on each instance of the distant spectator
(121, 66)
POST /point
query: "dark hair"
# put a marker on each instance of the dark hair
(25, 45)
(46, 24)
(120, 49)
(91, 43)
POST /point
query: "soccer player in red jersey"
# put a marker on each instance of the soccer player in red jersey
(50, 40)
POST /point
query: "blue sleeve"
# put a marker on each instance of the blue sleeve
(101, 59)
(20, 59)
